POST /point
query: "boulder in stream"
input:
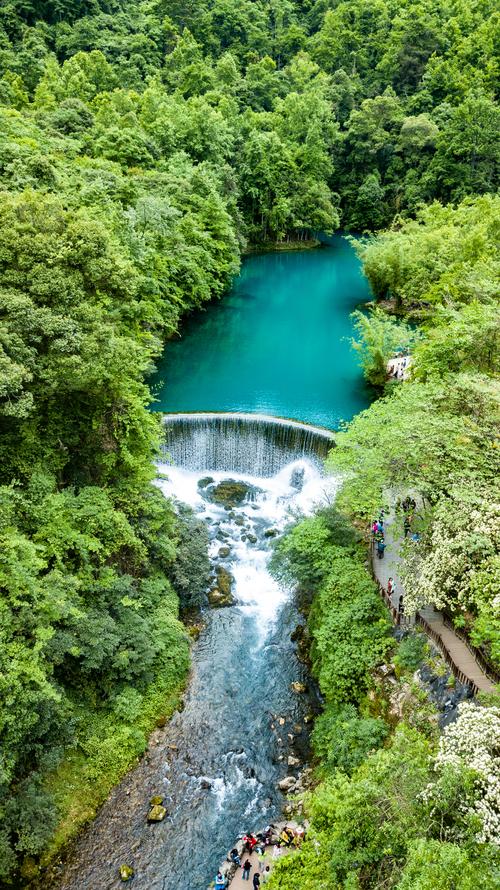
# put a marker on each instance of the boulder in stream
(205, 482)
(126, 872)
(224, 552)
(229, 492)
(157, 813)
(287, 785)
(298, 688)
(221, 595)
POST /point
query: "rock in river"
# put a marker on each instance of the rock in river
(126, 872)
(229, 492)
(221, 594)
(157, 813)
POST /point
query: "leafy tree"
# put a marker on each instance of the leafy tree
(378, 337)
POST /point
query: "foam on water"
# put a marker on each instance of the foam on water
(295, 490)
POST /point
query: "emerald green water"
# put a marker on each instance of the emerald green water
(276, 344)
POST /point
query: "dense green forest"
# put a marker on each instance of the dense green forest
(143, 146)
(398, 803)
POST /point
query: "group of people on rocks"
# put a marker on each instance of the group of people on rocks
(257, 843)
(378, 535)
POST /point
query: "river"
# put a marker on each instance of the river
(277, 344)
(218, 762)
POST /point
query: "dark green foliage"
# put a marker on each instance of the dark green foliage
(412, 651)
(342, 738)
(191, 569)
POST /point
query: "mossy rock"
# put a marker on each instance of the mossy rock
(219, 600)
(229, 492)
(126, 872)
(270, 533)
(224, 580)
(224, 552)
(29, 868)
(205, 482)
(156, 801)
(252, 539)
(157, 813)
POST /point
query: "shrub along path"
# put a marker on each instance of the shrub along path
(459, 655)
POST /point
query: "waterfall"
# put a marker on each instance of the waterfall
(246, 443)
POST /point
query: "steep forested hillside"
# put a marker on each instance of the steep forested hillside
(142, 146)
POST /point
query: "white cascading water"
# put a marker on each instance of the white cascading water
(219, 760)
(295, 490)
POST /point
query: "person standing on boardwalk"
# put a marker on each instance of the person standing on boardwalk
(407, 524)
(256, 881)
(380, 548)
(266, 874)
(390, 586)
(247, 865)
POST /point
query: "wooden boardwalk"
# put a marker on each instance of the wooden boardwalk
(455, 650)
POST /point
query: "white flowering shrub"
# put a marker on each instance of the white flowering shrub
(472, 744)
(456, 564)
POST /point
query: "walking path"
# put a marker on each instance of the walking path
(270, 858)
(460, 658)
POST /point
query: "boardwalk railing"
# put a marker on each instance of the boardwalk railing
(486, 668)
(396, 616)
(419, 619)
(459, 674)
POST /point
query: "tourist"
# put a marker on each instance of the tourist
(234, 856)
(390, 586)
(407, 524)
(220, 881)
(266, 874)
(247, 865)
(286, 837)
(250, 842)
(256, 881)
(401, 607)
(380, 548)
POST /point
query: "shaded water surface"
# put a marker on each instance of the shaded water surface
(278, 343)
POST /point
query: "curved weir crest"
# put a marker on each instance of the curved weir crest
(245, 443)
(218, 762)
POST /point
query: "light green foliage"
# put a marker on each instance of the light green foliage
(411, 651)
(425, 436)
(433, 865)
(447, 256)
(378, 337)
(460, 339)
(350, 630)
